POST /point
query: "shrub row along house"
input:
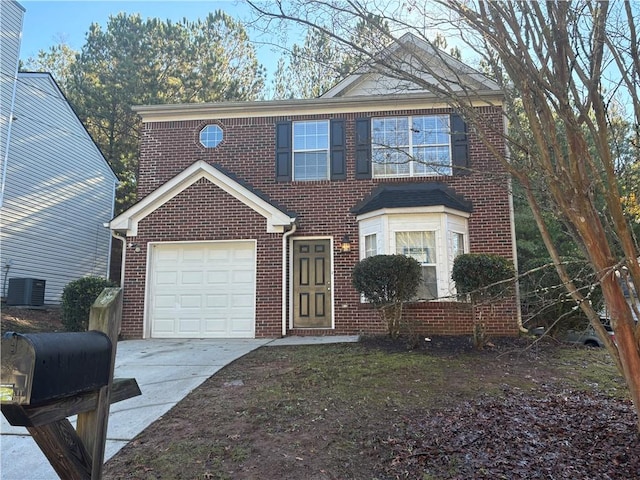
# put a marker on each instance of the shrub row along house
(252, 215)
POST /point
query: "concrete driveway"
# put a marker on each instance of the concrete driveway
(166, 370)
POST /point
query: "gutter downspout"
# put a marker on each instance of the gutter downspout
(124, 255)
(515, 258)
(513, 235)
(285, 238)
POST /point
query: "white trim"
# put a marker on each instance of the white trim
(319, 106)
(128, 220)
(291, 280)
(412, 210)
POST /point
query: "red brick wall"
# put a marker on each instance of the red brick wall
(204, 212)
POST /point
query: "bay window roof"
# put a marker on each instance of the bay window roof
(412, 195)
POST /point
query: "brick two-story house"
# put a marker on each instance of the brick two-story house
(252, 215)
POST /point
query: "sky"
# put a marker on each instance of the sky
(50, 22)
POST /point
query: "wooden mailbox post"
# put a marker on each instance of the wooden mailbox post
(73, 453)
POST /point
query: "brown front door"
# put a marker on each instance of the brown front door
(311, 284)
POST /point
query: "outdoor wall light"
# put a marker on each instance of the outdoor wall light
(135, 246)
(345, 246)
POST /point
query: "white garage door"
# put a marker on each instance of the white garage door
(203, 290)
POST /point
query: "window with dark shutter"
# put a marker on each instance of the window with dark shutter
(363, 148)
(283, 152)
(459, 145)
(338, 153)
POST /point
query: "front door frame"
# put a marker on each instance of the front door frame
(292, 279)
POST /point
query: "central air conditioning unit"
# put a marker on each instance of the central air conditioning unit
(26, 291)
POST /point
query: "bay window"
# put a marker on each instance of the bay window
(433, 235)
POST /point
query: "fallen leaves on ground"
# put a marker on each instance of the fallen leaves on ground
(520, 435)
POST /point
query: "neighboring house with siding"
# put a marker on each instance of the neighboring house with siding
(252, 215)
(57, 189)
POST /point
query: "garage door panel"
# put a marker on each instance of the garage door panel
(164, 301)
(238, 300)
(166, 256)
(217, 277)
(192, 255)
(242, 276)
(216, 328)
(218, 301)
(191, 302)
(191, 278)
(166, 278)
(243, 254)
(203, 290)
(219, 255)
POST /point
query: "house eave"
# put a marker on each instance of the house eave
(127, 222)
(277, 108)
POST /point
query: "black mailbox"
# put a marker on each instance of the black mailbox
(40, 367)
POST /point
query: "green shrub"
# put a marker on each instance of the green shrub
(477, 274)
(77, 298)
(387, 281)
(482, 277)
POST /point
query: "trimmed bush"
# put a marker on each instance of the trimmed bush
(477, 273)
(387, 281)
(77, 298)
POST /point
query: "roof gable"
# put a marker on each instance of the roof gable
(411, 57)
(276, 218)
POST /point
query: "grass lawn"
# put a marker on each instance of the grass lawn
(374, 410)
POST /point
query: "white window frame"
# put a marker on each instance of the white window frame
(211, 135)
(370, 243)
(427, 263)
(296, 149)
(408, 151)
(442, 220)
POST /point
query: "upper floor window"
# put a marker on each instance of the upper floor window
(311, 150)
(211, 136)
(411, 146)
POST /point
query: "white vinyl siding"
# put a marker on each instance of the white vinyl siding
(202, 290)
(11, 15)
(59, 193)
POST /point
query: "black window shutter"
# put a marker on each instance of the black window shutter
(363, 148)
(459, 145)
(338, 154)
(283, 152)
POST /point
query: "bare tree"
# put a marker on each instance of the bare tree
(563, 67)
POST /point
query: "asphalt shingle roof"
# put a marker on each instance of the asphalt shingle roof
(412, 195)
